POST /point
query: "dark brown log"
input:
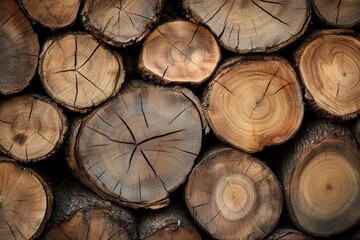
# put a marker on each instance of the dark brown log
(25, 201)
(321, 179)
(254, 102)
(250, 25)
(79, 72)
(179, 51)
(233, 195)
(32, 127)
(121, 23)
(329, 68)
(140, 146)
(19, 48)
(79, 214)
(53, 14)
(167, 223)
(288, 234)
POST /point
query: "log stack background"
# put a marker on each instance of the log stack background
(179, 119)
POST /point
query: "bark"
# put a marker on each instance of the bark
(250, 25)
(233, 195)
(320, 174)
(53, 14)
(357, 130)
(138, 147)
(19, 49)
(254, 102)
(25, 201)
(125, 22)
(287, 233)
(329, 69)
(32, 127)
(179, 51)
(68, 74)
(80, 214)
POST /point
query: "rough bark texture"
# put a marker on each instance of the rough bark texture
(287, 234)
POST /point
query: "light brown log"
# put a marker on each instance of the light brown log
(179, 51)
(19, 48)
(252, 25)
(25, 201)
(321, 179)
(32, 127)
(121, 23)
(288, 234)
(329, 69)
(233, 195)
(254, 102)
(79, 72)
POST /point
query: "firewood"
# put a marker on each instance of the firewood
(32, 127)
(167, 223)
(121, 23)
(287, 234)
(140, 146)
(25, 201)
(233, 195)
(357, 130)
(53, 14)
(254, 102)
(320, 173)
(80, 214)
(329, 68)
(79, 72)
(19, 48)
(251, 25)
(179, 51)
(342, 13)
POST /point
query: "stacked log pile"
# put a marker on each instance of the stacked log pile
(189, 119)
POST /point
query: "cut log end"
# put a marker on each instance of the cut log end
(288, 234)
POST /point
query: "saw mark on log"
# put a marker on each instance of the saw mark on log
(338, 11)
(153, 169)
(193, 36)
(266, 89)
(3, 121)
(91, 55)
(92, 83)
(225, 87)
(31, 110)
(118, 156)
(76, 90)
(215, 216)
(75, 52)
(102, 119)
(11, 146)
(263, 9)
(142, 110)
(272, 2)
(338, 88)
(161, 135)
(61, 49)
(111, 139)
(185, 151)
(133, 24)
(216, 12)
(288, 84)
(226, 18)
(127, 126)
(11, 230)
(200, 205)
(98, 177)
(131, 158)
(26, 154)
(163, 75)
(7, 20)
(93, 165)
(182, 111)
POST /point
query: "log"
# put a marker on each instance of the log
(179, 51)
(245, 26)
(329, 68)
(80, 214)
(25, 201)
(19, 49)
(288, 233)
(121, 23)
(68, 73)
(320, 174)
(233, 195)
(357, 130)
(167, 223)
(140, 146)
(341, 14)
(32, 127)
(52, 14)
(254, 102)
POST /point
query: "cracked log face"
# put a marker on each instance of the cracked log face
(254, 102)
(19, 48)
(80, 73)
(330, 69)
(340, 13)
(32, 127)
(179, 52)
(232, 195)
(25, 202)
(121, 23)
(252, 25)
(136, 152)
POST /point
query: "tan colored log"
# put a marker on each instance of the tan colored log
(321, 179)
(25, 202)
(329, 68)
(53, 14)
(233, 195)
(288, 234)
(140, 146)
(121, 23)
(179, 51)
(19, 48)
(79, 72)
(254, 102)
(339, 13)
(252, 25)
(32, 127)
